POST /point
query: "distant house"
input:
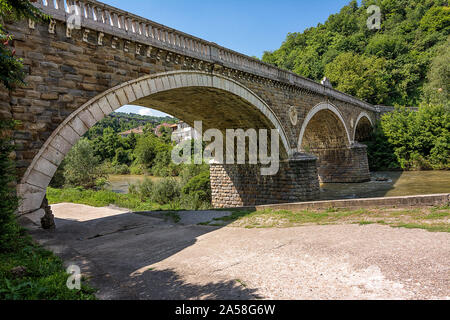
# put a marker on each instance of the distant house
(157, 130)
(184, 132)
(137, 131)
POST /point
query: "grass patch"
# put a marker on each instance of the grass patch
(242, 283)
(432, 228)
(102, 198)
(431, 219)
(29, 272)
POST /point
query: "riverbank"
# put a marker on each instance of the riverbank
(103, 198)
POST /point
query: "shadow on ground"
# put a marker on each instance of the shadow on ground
(117, 252)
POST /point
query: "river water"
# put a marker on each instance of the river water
(397, 184)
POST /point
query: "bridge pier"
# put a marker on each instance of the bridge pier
(243, 185)
(343, 165)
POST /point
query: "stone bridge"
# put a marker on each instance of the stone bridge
(79, 75)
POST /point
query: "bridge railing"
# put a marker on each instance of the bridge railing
(107, 19)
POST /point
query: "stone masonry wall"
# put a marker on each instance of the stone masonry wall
(346, 165)
(243, 185)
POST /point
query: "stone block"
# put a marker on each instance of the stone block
(46, 167)
(69, 134)
(96, 112)
(113, 101)
(60, 144)
(105, 106)
(53, 155)
(38, 179)
(78, 125)
(87, 118)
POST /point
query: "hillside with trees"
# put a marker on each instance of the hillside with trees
(404, 63)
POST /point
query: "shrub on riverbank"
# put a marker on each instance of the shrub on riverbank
(420, 140)
(82, 168)
(199, 187)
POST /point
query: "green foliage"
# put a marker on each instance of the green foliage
(421, 140)
(43, 278)
(189, 171)
(11, 68)
(380, 152)
(364, 77)
(143, 190)
(9, 201)
(100, 198)
(199, 186)
(165, 191)
(82, 168)
(436, 19)
(387, 66)
(437, 89)
(147, 148)
(120, 122)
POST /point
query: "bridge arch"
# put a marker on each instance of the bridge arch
(167, 92)
(323, 127)
(363, 126)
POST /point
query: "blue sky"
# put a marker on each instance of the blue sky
(247, 26)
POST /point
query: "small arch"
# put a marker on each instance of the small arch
(323, 106)
(363, 119)
(33, 185)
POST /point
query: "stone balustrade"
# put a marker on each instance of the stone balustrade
(103, 18)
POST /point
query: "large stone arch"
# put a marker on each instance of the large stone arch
(147, 91)
(326, 135)
(363, 120)
(324, 108)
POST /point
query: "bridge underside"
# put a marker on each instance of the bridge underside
(339, 159)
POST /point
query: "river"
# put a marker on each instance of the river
(397, 184)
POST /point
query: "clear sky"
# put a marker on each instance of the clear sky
(247, 26)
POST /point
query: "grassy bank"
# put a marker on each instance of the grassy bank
(434, 219)
(29, 272)
(102, 198)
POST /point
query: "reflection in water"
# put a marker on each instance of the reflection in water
(398, 184)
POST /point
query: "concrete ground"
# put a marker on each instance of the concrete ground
(134, 256)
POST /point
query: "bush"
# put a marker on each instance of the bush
(193, 202)
(82, 168)
(199, 187)
(143, 190)
(136, 169)
(380, 152)
(165, 191)
(101, 183)
(189, 171)
(421, 140)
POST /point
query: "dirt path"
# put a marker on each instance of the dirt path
(131, 256)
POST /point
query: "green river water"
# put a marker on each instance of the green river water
(397, 184)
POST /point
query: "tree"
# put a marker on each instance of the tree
(437, 89)
(421, 140)
(357, 75)
(406, 44)
(82, 167)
